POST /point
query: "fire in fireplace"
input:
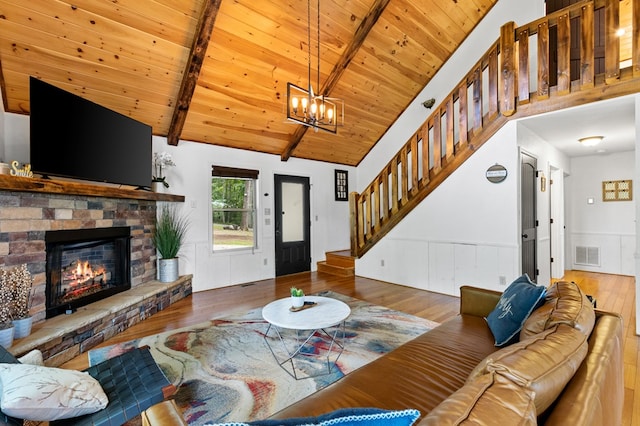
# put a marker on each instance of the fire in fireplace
(85, 265)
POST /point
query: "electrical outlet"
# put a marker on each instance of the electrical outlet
(503, 280)
(381, 262)
(265, 261)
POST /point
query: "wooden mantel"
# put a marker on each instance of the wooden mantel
(54, 186)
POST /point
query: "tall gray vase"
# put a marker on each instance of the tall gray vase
(168, 270)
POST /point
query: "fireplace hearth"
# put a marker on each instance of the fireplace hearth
(84, 266)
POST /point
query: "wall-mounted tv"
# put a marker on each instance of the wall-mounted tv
(76, 138)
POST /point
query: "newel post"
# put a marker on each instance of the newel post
(353, 222)
(508, 69)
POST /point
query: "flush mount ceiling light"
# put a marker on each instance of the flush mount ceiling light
(306, 108)
(591, 140)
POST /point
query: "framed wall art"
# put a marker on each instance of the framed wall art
(342, 185)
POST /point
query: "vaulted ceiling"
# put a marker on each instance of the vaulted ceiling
(216, 71)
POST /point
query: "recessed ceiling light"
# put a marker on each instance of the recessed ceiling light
(591, 140)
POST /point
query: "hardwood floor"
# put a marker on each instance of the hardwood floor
(613, 293)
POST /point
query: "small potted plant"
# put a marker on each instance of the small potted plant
(21, 283)
(297, 297)
(6, 324)
(168, 237)
(161, 160)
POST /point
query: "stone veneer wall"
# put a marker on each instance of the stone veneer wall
(24, 218)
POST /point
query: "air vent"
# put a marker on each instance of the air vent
(588, 256)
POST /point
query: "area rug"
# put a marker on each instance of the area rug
(225, 372)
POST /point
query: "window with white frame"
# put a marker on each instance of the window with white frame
(233, 207)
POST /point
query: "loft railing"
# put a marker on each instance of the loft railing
(513, 79)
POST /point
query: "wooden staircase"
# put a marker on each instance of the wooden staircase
(339, 263)
(510, 81)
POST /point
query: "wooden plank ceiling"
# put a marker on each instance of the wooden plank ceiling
(215, 71)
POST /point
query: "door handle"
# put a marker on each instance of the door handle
(525, 236)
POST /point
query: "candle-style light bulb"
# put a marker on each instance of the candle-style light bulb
(294, 104)
(314, 109)
(330, 115)
(304, 105)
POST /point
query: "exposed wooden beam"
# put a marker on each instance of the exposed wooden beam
(340, 67)
(192, 72)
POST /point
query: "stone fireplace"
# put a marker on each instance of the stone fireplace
(84, 266)
(31, 208)
(37, 214)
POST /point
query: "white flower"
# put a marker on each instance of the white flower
(161, 160)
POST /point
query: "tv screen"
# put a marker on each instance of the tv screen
(76, 138)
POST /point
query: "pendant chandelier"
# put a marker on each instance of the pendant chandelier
(306, 108)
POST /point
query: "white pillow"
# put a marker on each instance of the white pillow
(32, 358)
(33, 392)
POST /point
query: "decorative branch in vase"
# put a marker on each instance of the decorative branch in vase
(161, 160)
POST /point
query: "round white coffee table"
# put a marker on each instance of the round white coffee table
(293, 335)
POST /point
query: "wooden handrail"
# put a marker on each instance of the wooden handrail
(495, 90)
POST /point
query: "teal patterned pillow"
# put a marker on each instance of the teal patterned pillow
(342, 417)
(514, 307)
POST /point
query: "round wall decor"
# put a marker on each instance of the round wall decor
(496, 173)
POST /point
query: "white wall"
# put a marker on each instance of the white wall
(16, 134)
(192, 178)
(609, 226)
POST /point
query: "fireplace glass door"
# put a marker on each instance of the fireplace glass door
(84, 266)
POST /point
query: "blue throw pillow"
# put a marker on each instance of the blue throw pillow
(342, 417)
(515, 305)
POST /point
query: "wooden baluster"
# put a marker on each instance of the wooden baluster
(463, 119)
(424, 131)
(385, 193)
(508, 73)
(635, 43)
(493, 84)
(361, 224)
(414, 164)
(477, 100)
(543, 60)
(367, 214)
(394, 185)
(611, 41)
(450, 136)
(437, 143)
(564, 54)
(524, 87)
(405, 174)
(376, 205)
(587, 43)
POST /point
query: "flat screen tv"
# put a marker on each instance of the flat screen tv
(76, 138)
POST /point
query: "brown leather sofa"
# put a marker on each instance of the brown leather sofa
(566, 369)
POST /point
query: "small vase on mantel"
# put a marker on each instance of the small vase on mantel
(157, 186)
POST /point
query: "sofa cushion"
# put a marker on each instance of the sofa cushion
(514, 307)
(487, 399)
(565, 303)
(39, 393)
(543, 363)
